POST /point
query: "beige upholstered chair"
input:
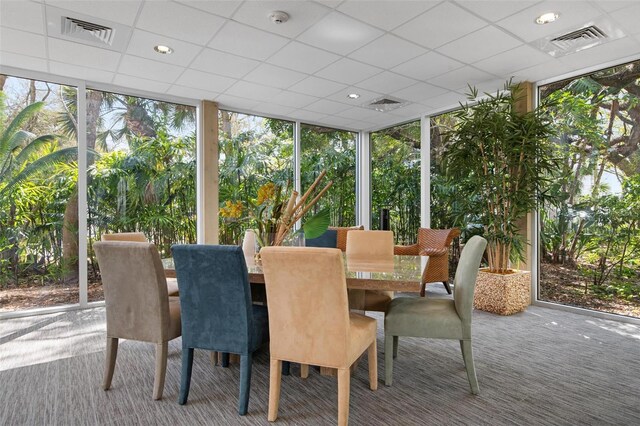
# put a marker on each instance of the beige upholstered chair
(375, 246)
(309, 319)
(138, 306)
(435, 244)
(138, 237)
(341, 235)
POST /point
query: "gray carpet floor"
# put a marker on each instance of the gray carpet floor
(542, 366)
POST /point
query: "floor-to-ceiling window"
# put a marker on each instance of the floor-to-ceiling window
(395, 179)
(38, 194)
(590, 237)
(334, 151)
(255, 153)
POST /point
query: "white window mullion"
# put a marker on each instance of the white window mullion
(363, 179)
(297, 161)
(425, 172)
(82, 194)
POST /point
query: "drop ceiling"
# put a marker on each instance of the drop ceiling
(422, 52)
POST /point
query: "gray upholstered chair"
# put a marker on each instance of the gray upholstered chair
(438, 318)
(137, 304)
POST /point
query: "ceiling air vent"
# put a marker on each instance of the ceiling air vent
(385, 104)
(590, 35)
(582, 36)
(77, 27)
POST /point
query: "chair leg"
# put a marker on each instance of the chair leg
(161, 369)
(213, 357)
(372, 359)
(225, 359)
(286, 368)
(245, 383)
(467, 354)
(462, 350)
(304, 370)
(185, 379)
(388, 359)
(396, 339)
(446, 286)
(110, 361)
(344, 388)
(275, 373)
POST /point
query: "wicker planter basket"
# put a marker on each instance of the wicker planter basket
(503, 294)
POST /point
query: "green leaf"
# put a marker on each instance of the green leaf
(317, 224)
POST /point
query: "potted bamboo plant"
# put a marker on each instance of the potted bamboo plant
(499, 158)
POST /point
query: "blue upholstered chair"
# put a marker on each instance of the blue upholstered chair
(329, 240)
(217, 313)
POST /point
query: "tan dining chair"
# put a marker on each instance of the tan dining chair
(310, 322)
(373, 246)
(139, 237)
(137, 303)
(341, 234)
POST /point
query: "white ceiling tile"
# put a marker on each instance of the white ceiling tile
(573, 15)
(340, 122)
(420, 92)
(191, 93)
(204, 80)
(326, 106)
(269, 109)
(231, 103)
(505, 63)
(302, 15)
(360, 113)
(146, 68)
(387, 51)
(223, 63)
(410, 111)
(140, 83)
(348, 71)
(257, 92)
(385, 14)
(292, 99)
(386, 82)
(440, 25)
(447, 100)
(617, 49)
(329, 3)
(366, 96)
(123, 12)
(480, 44)
(629, 19)
(143, 42)
(315, 86)
(22, 15)
(270, 75)
(339, 33)
(460, 78)
(487, 86)
(300, 57)
(178, 21)
(83, 55)
(21, 61)
(22, 43)
(303, 115)
(218, 7)
(612, 5)
(427, 66)
(540, 72)
(495, 10)
(84, 73)
(248, 42)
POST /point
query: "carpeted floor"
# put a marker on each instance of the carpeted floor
(539, 367)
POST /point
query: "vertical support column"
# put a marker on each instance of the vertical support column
(363, 180)
(81, 119)
(208, 181)
(297, 159)
(425, 172)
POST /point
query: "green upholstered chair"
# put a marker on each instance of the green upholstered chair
(438, 318)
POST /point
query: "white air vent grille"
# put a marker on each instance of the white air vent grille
(582, 36)
(386, 103)
(72, 26)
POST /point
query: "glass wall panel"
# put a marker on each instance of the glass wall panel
(38, 194)
(141, 172)
(395, 179)
(332, 150)
(590, 238)
(254, 152)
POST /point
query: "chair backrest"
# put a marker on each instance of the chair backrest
(308, 304)
(436, 238)
(341, 234)
(466, 274)
(135, 290)
(215, 297)
(328, 240)
(370, 244)
(125, 236)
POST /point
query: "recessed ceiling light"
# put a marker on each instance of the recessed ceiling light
(353, 96)
(162, 49)
(546, 18)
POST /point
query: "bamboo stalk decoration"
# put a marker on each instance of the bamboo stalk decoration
(295, 211)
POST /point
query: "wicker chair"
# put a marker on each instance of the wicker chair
(435, 244)
(341, 238)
